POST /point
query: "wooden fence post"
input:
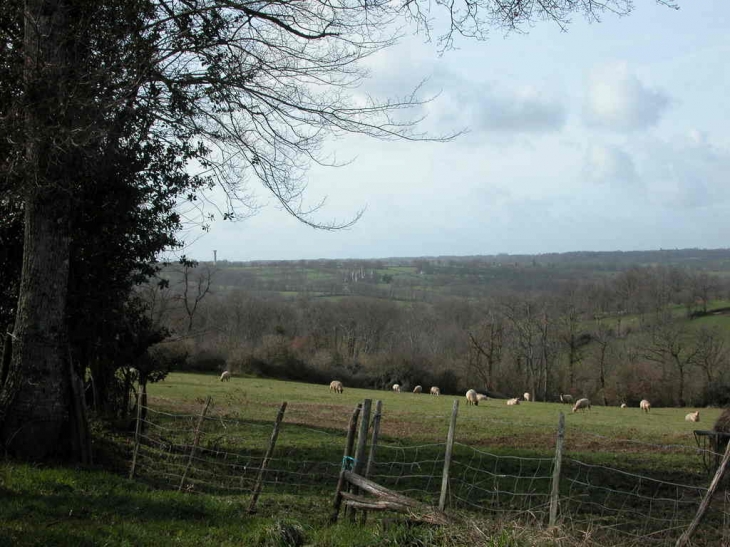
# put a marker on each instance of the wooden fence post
(267, 457)
(447, 456)
(685, 537)
(196, 440)
(373, 446)
(136, 436)
(347, 456)
(555, 492)
(374, 438)
(362, 440)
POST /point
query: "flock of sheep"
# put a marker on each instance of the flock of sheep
(473, 398)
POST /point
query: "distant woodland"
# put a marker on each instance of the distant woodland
(614, 326)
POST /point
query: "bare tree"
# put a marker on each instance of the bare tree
(672, 344)
(194, 288)
(523, 317)
(487, 340)
(712, 353)
(603, 337)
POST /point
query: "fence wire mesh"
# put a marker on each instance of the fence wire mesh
(230, 452)
(615, 506)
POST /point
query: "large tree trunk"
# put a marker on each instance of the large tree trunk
(36, 401)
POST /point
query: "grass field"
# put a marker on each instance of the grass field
(61, 506)
(419, 418)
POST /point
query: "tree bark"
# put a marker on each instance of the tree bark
(36, 401)
(36, 398)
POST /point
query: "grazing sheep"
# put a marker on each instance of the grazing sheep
(226, 376)
(645, 405)
(527, 397)
(435, 391)
(396, 388)
(336, 386)
(513, 402)
(566, 399)
(482, 397)
(471, 398)
(581, 404)
(693, 417)
(417, 389)
(623, 405)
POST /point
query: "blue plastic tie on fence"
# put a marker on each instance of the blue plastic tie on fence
(348, 462)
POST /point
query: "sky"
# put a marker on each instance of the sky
(610, 136)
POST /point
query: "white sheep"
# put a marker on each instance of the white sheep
(435, 391)
(526, 396)
(471, 398)
(513, 402)
(582, 404)
(226, 376)
(336, 386)
(566, 399)
(417, 389)
(645, 405)
(693, 417)
(482, 397)
(396, 388)
(623, 405)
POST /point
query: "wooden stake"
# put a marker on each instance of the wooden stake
(267, 457)
(348, 454)
(685, 537)
(373, 446)
(555, 493)
(362, 441)
(374, 438)
(136, 436)
(196, 440)
(447, 456)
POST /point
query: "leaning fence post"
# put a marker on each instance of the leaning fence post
(267, 457)
(373, 445)
(685, 537)
(136, 436)
(196, 440)
(447, 455)
(362, 440)
(345, 459)
(555, 492)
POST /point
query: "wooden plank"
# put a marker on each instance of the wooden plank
(380, 491)
(447, 456)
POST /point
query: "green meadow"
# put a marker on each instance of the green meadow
(62, 506)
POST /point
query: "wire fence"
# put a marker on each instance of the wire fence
(218, 454)
(230, 453)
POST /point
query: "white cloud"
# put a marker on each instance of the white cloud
(609, 164)
(687, 172)
(486, 108)
(616, 99)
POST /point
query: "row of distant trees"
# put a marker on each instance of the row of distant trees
(636, 334)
